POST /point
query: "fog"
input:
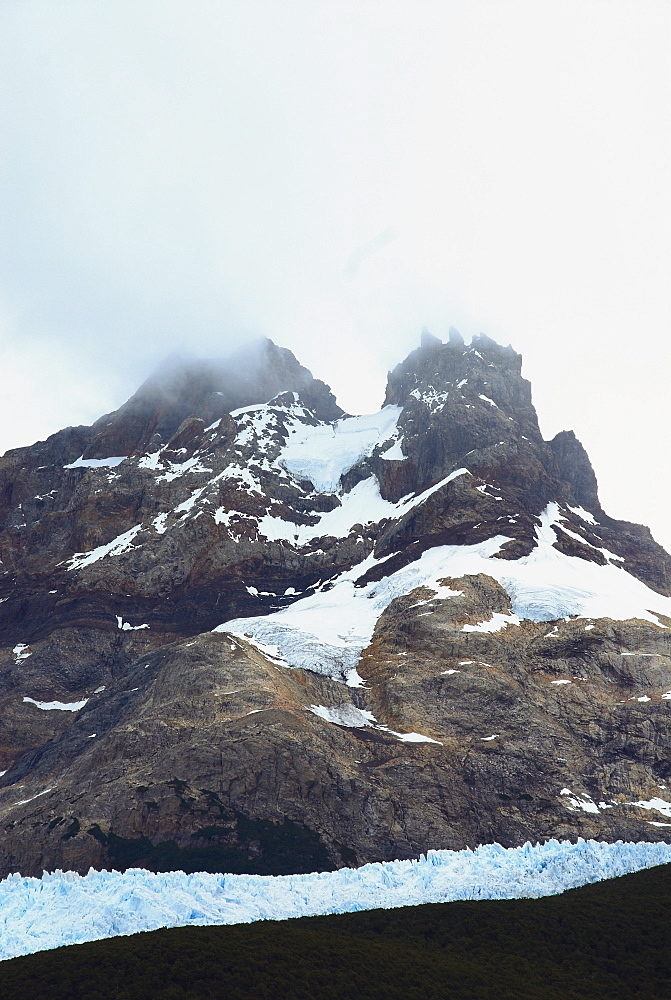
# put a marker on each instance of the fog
(334, 175)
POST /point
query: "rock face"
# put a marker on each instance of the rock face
(242, 631)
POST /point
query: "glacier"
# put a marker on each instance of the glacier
(64, 908)
(327, 631)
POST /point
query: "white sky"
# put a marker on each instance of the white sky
(336, 175)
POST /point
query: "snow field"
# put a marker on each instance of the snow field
(65, 908)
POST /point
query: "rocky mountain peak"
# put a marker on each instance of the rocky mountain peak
(575, 469)
(438, 366)
(469, 406)
(194, 387)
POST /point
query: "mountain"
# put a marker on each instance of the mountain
(243, 631)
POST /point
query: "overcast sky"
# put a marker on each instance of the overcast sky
(182, 174)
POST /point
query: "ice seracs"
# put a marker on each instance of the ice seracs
(64, 908)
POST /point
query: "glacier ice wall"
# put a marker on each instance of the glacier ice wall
(65, 908)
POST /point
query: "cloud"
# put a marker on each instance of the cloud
(358, 256)
(182, 176)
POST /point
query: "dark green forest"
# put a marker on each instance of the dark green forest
(609, 941)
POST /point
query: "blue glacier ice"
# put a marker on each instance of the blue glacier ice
(66, 908)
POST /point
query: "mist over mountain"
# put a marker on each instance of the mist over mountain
(241, 630)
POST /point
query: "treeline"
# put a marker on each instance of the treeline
(609, 941)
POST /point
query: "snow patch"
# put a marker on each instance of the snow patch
(126, 626)
(231, 518)
(344, 715)
(244, 410)
(188, 504)
(177, 469)
(242, 477)
(96, 463)
(58, 706)
(270, 651)
(411, 737)
(23, 802)
(362, 505)
(152, 461)
(496, 623)
(434, 399)
(580, 801)
(584, 514)
(578, 538)
(395, 453)
(355, 718)
(659, 805)
(159, 522)
(120, 544)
